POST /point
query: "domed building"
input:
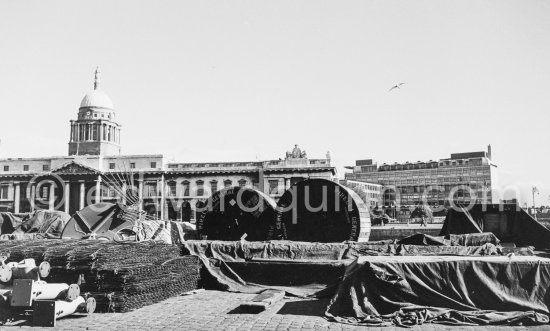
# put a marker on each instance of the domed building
(95, 171)
(95, 132)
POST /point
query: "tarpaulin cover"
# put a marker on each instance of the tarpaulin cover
(49, 224)
(9, 222)
(445, 289)
(302, 268)
(509, 223)
(170, 232)
(473, 239)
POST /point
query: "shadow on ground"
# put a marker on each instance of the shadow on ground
(304, 308)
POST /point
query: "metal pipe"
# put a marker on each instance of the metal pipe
(25, 269)
(78, 305)
(44, 291)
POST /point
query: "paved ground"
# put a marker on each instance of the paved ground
(213, 310)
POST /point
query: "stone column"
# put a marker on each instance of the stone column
(98, 189)
(32, 197)
(16, 197)
(140, 193)
(82, 195)
(123, 196)
(66, 194)
(163, 205)
(71, 139)
(287, 183)
(51, 196)
(100, 131)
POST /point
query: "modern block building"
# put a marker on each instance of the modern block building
(370, 193)
(95, 171)
(462, 178)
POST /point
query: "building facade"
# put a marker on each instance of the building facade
(94, 171)
(371, 193)
(463, 178)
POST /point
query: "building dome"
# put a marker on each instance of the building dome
(97, 98)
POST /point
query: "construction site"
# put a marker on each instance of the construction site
(191, 203)
(487, 265)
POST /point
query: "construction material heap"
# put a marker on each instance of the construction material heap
(121, 277)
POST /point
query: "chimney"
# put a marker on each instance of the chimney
(489, 151)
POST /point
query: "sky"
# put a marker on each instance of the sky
(203, 81)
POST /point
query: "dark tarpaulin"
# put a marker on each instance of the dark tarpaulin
(463, 290)
(508, 222)
(424, 239)
(41, 223)
(48, 222)
(473, 239)
(300, 268)
(9, 222)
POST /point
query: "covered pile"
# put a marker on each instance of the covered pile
(39, 224)
(121, 277)
(304, 269)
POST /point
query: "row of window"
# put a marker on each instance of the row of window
(45, 167)
(112, 165)
(152, 190)
(44, 193)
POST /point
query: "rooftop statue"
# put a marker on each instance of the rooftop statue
(296, 153)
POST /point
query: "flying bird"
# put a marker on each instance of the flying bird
(396, 86)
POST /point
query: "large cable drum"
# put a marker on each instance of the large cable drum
(235, 213)
(320, 210)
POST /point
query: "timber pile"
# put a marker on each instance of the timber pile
(121, 277)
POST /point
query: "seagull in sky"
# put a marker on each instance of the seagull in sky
(396, 86)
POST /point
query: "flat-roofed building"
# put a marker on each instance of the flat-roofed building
(462, 179)
(371, 193)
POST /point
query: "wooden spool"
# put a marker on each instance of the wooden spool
(320, 210)
(235, 213)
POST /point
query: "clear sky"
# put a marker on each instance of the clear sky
(246, 80)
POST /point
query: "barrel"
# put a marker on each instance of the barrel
(235, 213)
(320, 210)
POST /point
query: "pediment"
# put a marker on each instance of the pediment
(74, 168)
